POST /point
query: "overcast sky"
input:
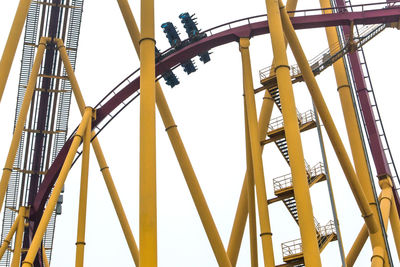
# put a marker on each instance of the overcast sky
(208, 109)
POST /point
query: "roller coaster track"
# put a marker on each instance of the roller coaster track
(128, 89)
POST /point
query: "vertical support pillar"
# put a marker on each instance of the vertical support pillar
(80, 240)
(250, 196)
(147, 201)
(100, 158)
(292, 133)
(180, 151)
(331, 129)
(395, 223)
(250, 107)
(51, 204)
(353, 131)
(12, 43)
(18, 238)
(21, 120)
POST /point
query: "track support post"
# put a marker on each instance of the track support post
(330, 127)
(37, 239)
(100, 158)
(292, 134)
(80, 240)
(21, 119)
(257, 166)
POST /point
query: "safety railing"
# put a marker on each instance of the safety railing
(292, 247)
(286, 181)
(328, 56)
(303, 118)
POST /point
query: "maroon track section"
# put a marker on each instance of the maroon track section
(386, 15)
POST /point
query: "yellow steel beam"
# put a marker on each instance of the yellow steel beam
(251, 196)
(357, 246)
(180, 151)
(147, 187)
(45, 259)
(18, 238)
(101, 159)
(395, 223)
(353, 131)
(51, 204)
(80, 239)
(7, 240)
(241, 211)
(292, 132)
(19, 126)
(328, 122)
(258, 171)
(12, 43)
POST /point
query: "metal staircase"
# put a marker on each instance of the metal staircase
(276, 131)
(283, 186)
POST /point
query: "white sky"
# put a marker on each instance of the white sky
(208, 109)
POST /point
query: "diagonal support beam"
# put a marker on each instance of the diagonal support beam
(328, 121)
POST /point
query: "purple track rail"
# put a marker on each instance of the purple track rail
(386, 15)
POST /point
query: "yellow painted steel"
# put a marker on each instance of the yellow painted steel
(12, 43)
(105, 170)
(180, 151)
(330, 127)
(242, 208)
(251, 197)
(385, 199)
(191, 180)
(19, 126)
(239, 224)
(18, 238)
(258, 171)
(241, 211)
(45, 259)
(395, 223)
(357, 246)
(7, 240)
(147, 187)
(353, 131)
(80, 240)
(37, 239)
(292, 133)
(101, 159)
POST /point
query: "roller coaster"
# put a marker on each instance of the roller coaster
(40, 155)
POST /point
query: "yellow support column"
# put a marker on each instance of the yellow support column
(12, 43)
(7, 240)
(80, 240)
(330, 127)
(251, 197)
(258, 171)
(357, 246)
(18, 238)
(353, 131)
(239, 223)
(147, 199)
(51, 204)
(19, 126)
(292, 133)
(45, 259)
(180, 151)
(395, 223)
(241, 211)
(101, 159)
